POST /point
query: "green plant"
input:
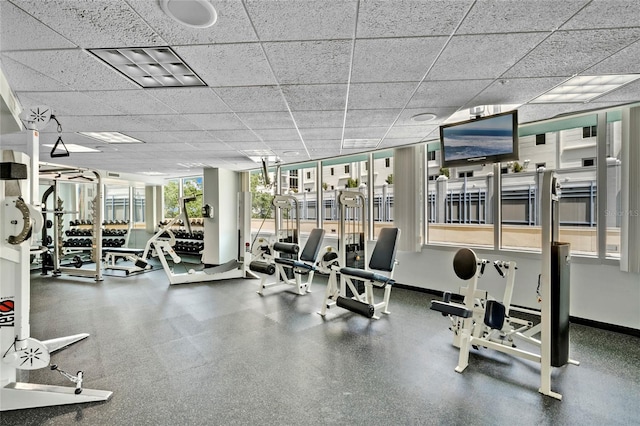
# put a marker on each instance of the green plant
(444, 171)
(389, 179)
(260, 201)
(517, 168)
(352, 183)
(325, 186)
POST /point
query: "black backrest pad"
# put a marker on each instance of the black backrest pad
(312, 247)
(465, 264)
(384, 253)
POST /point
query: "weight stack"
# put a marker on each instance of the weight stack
(560, 277)
(355, 259)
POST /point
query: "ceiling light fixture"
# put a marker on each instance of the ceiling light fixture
(424, 117)
(192, 13)
(150, 66)
(72, 147)
(359, 143)
(111, 137)
(584, 88)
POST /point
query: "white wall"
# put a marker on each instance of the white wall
(599, 292)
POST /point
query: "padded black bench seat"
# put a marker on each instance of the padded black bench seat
(123, 250)
(292, 263)
(449, 308)
(367, 275)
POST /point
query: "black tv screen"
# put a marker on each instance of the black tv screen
(483, 140)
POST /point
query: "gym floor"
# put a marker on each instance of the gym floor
(218, 353)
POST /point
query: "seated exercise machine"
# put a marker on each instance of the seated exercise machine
(481, 322)
(355, 289)
(20, 221)
(284, 256)
(161, 245)
(302, 264)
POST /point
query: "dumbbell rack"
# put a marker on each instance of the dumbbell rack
(115, 234)
(187, 243)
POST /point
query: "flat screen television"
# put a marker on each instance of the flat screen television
(483, 140)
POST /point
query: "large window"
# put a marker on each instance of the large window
(613, 212)
(172, 192)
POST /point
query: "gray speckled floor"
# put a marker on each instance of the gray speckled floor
(218, 354)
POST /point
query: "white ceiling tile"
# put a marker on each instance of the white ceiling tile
(66, 103)
(606, 14)
(219, 148)
(415, 132)
(77, 69)
(136, 101)
(21, 77)
(153, 137)
(232, 25)
(20, 31)
(321, 133)
(623, 62)
(267, 120)
(165, 122)
(93, 23)
(446, 93)
(224, 121)
(394, 59)
(234, 135)
(309, 62)
(251, 99)
(509, 16)
(190, 100)
(315, 97)
(482, 56)
(269, 135)
(514, 91)
(286, 145)
(372, 117)
(364, 132)
(628, 93)
(566, 53)
(241, 64)
(380, 95)
(306, 20)
(440, 113)
(98, 123)
(383, 18)
(309, 119)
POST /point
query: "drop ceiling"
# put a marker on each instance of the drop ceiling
(298, 78)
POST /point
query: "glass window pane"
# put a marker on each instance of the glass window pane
(193, 187)
(116, 203)
(458, 208)
(171, 196)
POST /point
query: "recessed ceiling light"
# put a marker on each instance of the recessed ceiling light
(584, 88)
(290, 153)
(192, 165)
(110, 137)
(192, 13)
(153, 173)
(359, 143)
(150, 66)
(72, 147)
(426, 116)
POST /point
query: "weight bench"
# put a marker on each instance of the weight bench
(383, 259)
(111, 256)
(305, 264)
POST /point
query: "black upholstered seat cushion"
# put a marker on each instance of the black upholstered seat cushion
(367, 275)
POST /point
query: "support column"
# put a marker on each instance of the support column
(407, 193)
(630, 173)
(220, 190)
